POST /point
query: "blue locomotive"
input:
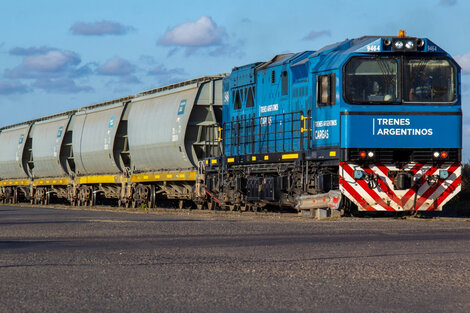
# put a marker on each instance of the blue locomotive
(372, 123)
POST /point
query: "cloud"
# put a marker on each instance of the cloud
(202, 35)
(100, 28)
(60, 85)
(52, 61)
(43, 62)
(227, 50)
(161, 70)
(12, 87)
(317, 34)
(82, 71)
(464, 62)
(116, 67)
(448, 2)
(52, 69)
(193, 35)
(19, 51)
(167, 76)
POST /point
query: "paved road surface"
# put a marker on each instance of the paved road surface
(54, 260)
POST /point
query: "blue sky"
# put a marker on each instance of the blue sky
(60, 55)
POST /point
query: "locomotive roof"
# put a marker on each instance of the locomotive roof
(334, 55)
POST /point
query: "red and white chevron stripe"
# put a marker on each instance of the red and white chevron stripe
(423, 195)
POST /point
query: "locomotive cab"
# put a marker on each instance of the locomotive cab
(400, 126)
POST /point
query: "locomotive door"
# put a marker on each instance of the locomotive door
(325, 124)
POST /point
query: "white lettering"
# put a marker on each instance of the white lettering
(394, 121)
(327, 123)
(322, 134)
(404, 132)
(269, 108)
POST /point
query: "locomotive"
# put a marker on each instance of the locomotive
(368, 124)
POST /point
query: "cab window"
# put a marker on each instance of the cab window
(429, 80)
(371, 80)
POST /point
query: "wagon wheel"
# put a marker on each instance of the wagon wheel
(151, 202)
(15, 196)
(94, 198)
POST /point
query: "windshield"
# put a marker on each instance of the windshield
(428, 80)
(371, 80)
(377, 80)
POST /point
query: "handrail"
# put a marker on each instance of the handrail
(265, 134)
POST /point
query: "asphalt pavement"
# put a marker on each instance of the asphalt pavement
(64, 260)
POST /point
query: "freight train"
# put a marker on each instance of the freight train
(367, 124)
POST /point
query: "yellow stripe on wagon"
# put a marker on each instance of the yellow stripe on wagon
(22, 182)
(163, 176)
(51, 181)
(99, 179)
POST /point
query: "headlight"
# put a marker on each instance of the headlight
(399, 44)
(370, 154)
(443, 174)
(409, 44)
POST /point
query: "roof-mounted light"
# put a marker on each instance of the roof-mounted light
(402, 33)
(398, 44)
(409, 44)
(420, 43)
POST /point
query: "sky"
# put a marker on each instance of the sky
(59, 55)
